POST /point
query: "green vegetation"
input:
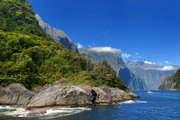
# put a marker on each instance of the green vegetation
(32, 60)
(30, 57)
(176, 80)
(18, 16)
(167, 83)
(171, 82)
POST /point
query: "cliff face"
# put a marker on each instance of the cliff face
(132, 81)
(170, 82)
(176, 80)
(58, 35)
(166, 82)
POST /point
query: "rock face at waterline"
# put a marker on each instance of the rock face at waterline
(56, 95)
(15, 94)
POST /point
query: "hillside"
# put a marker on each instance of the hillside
(170, 82)
(58, 35)
(166, 82)
(31, 57)
(113, 58)
(176, 80)
(18, 16)
(117, 63)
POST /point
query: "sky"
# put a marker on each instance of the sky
(145, 30)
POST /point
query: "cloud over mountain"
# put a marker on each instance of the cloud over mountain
(168, 68)
(104, 49)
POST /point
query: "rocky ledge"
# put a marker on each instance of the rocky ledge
(57, 95)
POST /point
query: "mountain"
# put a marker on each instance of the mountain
(113, 58)
(31, 57)
(166, 82)
(132, 81)
(58, 35)
(150, 73)
(99, 54)
(170, 82)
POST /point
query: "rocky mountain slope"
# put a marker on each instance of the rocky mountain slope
(117, 63)
(113, 58)
(58, 35)
(166, 82)
(170, 82)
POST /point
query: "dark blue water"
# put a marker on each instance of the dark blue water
(158, 105)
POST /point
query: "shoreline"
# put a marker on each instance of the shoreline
(56, 96)
(35, 112)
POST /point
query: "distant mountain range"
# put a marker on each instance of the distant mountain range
(151, 74)
(58, 35)
(137, 75)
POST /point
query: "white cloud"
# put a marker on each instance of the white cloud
(104, 49)
(147, 62)
(168, 68)
(79, 45)
(125, 55)
(167, 62)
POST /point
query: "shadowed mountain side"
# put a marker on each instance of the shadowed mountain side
(133, 82)
(58, 35)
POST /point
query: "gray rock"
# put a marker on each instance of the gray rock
(110, 95)
(15, 94)
(56, 95)
(77, 96)
(58, 35)
(61, 96)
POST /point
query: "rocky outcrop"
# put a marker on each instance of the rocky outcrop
(56, 95)
(61, 96)
(15, 94)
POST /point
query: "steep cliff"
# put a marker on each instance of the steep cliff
(171, 82)
(58, 35)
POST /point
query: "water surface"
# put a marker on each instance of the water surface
(158, 105)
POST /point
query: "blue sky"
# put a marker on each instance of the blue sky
(148, 30)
